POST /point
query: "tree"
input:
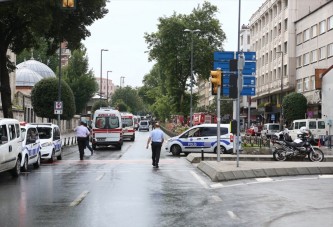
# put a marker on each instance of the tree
(294, 106)
(24, 23)
(45, 92)
(170, 46)
(129, 97)
(99, 104)
(81, 81)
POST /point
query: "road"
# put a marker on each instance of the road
(121, 188)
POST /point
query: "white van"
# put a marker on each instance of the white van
(107, 128)
(318, 127)
(270, 129)
(201, 137)
(10, 146)
(50, 140)
(127, 120)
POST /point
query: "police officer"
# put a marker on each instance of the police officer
(156, 138)
(81, 134)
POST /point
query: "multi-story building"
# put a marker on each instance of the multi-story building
(314, 54)
(108, 87)
(204, 93)
(273, 37)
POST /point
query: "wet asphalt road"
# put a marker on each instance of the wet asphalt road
(121, 188)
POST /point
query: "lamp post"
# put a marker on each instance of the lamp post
(107, 84)
(281, 118)
(191, 74)
(100, 86)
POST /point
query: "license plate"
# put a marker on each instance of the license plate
(101, 139)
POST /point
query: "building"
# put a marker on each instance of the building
(205, 97)
(273, 37)
(314, 55)
(108, 87)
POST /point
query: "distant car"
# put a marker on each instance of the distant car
(30, 146)
(51, 144)
(270, 129)
(253, 131)
(144, 125)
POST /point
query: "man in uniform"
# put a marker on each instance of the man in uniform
(156, 138)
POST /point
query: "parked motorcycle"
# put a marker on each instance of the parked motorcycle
(301, 147)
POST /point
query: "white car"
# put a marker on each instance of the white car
(50, 141)
(201, 137)
(31, 154)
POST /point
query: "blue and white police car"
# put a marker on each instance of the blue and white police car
(31, 154)
(201, 137)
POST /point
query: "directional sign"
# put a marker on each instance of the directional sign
(249, 68)
(249, 80)
(248, 91)
(224, 66)
(249, 56)
(224, 56)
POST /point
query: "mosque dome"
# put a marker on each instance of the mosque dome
(25, 77)
(38, 67)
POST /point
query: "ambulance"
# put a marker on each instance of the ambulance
(128, 123)
(107, 128)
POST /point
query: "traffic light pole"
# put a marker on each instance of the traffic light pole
(218, 147)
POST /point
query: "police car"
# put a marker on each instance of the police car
(30, 146)
(201, 137)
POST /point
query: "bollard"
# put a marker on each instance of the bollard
(64, 142)
(202, 154)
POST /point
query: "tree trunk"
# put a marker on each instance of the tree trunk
(5, 84)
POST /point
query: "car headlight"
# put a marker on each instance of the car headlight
(46, 144)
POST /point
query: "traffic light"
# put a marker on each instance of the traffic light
(216, 80)
(233, 126)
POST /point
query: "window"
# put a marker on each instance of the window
(322, 27)
(12, 134)
(330, 23)
(241, 39)
(314, 31)
(299, 86)
(306, 35)
(321, 124)
(299, 38)
(330, 50)
(306, 59)
(312, 125)
(3, 134)
(285, 47)
(313, 83)
(248, 39)
(313, 57)
(299, 61)
(306, 84)
(286, 24)
(322, 53)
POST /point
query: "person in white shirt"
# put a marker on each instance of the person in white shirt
(81, 134)
(156, 138)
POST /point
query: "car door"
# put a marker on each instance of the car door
(189, 140)
(13, 143)
(32, 144)
(4, 146)
(56, 139)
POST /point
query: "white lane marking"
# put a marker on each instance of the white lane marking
(216, 198)
(218, 185)
(232, 215)
(325, 176)
(265, 179)
(100, 177)
(196, 176)
(79, 199)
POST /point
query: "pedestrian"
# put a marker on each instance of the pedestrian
(156, 138)
(88, 137)
(81, 134)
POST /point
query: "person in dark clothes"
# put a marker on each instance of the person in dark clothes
(81, 134)
(156, 138)
(87, 141)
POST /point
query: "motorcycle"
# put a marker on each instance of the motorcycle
(301, 147)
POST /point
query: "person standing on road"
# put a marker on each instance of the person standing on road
(156, 138)
(81, 134)
(87, 141)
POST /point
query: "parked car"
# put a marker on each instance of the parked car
(253, 131)
(270, 129)
(31, 154)
(144, 125)
(51, 144)
(201, 137)
(10, 146)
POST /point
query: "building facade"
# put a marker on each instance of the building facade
(108, 87)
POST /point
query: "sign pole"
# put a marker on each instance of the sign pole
(218, 148)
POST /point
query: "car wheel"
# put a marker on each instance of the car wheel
(52, 156)
(133, 138)
(222, 150)
(17, 169)
(24, 168)
(176, 149)
(37, 164)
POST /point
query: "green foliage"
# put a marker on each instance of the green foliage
(122, 107)
(99, 104)
(25, 23)
(81, 80)
(129, 97)
(170, 46)
(45, 93)
(294, 106)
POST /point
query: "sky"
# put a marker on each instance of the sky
(122, 31)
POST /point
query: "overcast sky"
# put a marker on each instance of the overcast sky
(122, 30)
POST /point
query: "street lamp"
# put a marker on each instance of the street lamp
(281, 118)
(107, 85)
(191, 74)
(100, 91)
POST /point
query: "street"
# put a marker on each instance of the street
(121, 188)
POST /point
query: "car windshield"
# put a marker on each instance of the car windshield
(108, 122)
(127, 121)
(274, 127)
(143, 122)
(44, 132)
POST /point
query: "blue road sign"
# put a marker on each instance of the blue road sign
(248, 91)
(249, 56)
(224, 56)
(249, 68)
(224, 66)
(249, 80)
